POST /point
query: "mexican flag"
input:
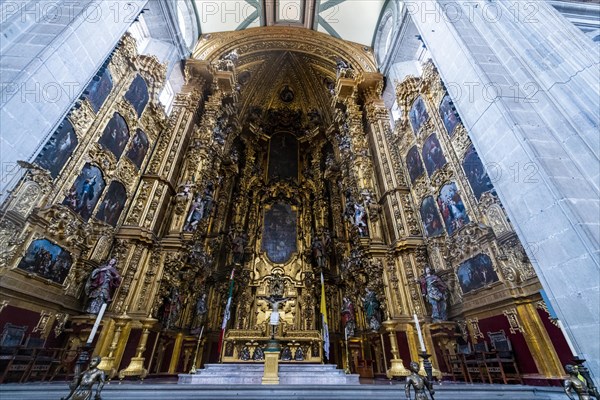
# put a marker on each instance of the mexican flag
(324, 318)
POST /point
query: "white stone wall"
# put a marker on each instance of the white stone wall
(525, 83)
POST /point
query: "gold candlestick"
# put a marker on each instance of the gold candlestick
(193, 369)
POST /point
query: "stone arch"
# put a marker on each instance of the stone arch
(313, 44)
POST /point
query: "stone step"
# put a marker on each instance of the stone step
(251, 373)
(384, 391)
(259, 365)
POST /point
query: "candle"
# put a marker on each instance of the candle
(567, 338)
(421, 342)
(96, 324)
(346, 333)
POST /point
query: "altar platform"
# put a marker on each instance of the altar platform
(373, 390)
(289, 374)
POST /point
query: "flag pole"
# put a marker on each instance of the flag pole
(324, 319)
(226, 313)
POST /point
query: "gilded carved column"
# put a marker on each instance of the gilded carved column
(392, 184)
(538, 341)
(356, 163)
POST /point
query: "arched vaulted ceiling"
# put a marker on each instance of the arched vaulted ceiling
(352, 20)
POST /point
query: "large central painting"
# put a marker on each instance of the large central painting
(279, 232)
(283, 156)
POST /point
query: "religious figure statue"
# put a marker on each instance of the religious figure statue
(259, 354)
(343, 68)
(274, 301)
(201, 305)
(349, 211)
(84, 384)
(574, 384)
(318, 252)
(360, 219)
(171, 309)
(286, 354)
(207, 200)
(201, 310)
(419, 384)
(101, 285)
(194, 215)
(185, 190)
(436, 292)
(238, 244)
(245, 353)
(348, 316)
(372, 309)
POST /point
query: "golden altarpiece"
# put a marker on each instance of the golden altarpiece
(278, 161)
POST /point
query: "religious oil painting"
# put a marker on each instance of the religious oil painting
(283, 156)
(432, 154)
(58, 148)
(476, 273)
(99, 89)
(414, 164)
(452, 208)
(431, 218)
(418, 114)
(115, 135)
(110, 209)
(85, 192)
(448, 114)
(138, 149)
(46, 260)
(137, 95)
(476, 174)
(12, 335)
(279, 232)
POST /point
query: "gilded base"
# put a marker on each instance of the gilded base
(107, 365)
(271, 373)
(135, 368)
(397, 369)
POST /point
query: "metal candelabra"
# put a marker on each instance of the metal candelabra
(427, 365)
(193, 369)
(347, 369)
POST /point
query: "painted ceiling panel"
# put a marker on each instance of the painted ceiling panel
(290, 10)
(228, 15)
(352, 20)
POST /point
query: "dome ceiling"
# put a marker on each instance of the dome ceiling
(352, 20)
